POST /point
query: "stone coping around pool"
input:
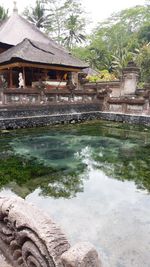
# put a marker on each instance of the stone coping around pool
(125, 118)
(28, 237)
(24, 120)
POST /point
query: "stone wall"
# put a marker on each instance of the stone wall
(40, 121)
(127, 106)
(45, 120)
(113, 88)
(34, 116)
(46, 110)
(127, 118)
(30, 107)
(30, 96)
(123, 95)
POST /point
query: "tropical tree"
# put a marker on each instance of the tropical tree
(143, 61)
(144, 34)
(74, 27)
(57, 9)
(114, 41)
(59, 18)
(38, 15)
(3, 13)
(66, 17)
(120, 60)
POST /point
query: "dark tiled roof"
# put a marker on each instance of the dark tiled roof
(36, 52)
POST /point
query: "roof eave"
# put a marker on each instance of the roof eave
(21, 63)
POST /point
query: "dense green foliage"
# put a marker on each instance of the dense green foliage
(123, 37)
(24, 175)
(3, 13)
(143, 60)
(103, 75)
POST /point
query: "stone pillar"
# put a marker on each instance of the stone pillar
(130, 76)
(82, 80)
(75, 79)
(71, 82)
(124, 107)
(146, 107)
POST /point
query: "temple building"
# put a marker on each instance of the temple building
(29, 59)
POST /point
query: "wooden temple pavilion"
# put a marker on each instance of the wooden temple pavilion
(38, 62)
(29, 58)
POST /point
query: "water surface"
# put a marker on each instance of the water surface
(93, 179)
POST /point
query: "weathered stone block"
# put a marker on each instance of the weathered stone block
(81, 255)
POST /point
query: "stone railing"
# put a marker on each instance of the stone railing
(128, 105)
(107, 87)
(28, 238)
(36, 97)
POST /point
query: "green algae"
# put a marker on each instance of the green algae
(56, 159)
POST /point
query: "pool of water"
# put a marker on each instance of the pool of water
(93, 179)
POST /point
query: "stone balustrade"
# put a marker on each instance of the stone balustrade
(29, 238)
(36, 97)
(128, 105)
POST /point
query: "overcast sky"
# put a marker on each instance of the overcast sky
(98, 10)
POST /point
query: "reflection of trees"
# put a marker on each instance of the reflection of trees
(53, 160)
(126, 162)
(23, 176)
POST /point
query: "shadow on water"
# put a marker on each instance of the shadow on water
(56, 159)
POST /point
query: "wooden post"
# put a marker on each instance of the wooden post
(11, 80)
(32, 77)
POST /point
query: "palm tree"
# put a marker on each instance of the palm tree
(121, 58)
(74, 26)
(37, 15)
(3, 13)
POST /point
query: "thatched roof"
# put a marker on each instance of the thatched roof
(35, 52)
(32, 45)
(15, 29)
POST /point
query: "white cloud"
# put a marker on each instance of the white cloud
(101, 10)
(97, 9)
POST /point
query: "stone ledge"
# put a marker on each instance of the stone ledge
(74, 117)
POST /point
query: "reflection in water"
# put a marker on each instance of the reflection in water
(24, 175)
(56, 159)
(93, 179)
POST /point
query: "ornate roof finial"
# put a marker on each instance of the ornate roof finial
(15, 9)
